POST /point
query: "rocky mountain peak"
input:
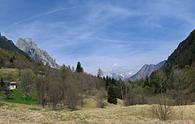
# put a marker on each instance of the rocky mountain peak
(146, 71)
(31, 48)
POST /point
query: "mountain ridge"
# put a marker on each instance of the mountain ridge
(8, 45)
(12, 57)
(185, 49)
(32, 49)
(146, 71)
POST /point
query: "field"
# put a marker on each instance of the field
(12, 113)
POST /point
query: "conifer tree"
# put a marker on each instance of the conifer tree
(111, 95)
(79, 68)
(100, 73)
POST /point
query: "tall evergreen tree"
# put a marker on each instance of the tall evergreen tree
(79, 68)
(100, 73)
(112, 95)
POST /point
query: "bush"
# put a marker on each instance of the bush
(162, 110)
(134, 94)
(133, 99)
(73, 97)
(100, 99)
(26, 82)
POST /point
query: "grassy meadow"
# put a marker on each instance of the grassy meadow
(14, 113)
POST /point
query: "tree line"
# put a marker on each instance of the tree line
(59, 88)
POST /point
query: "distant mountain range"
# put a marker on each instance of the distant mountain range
(26, 49)
(30, 48)
(120, 74)
(146, 71)
(182, 56)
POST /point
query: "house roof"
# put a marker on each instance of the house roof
(13, 82)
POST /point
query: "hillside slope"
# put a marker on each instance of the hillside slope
(8, 45)
(185, 52)
(177, 75)
(11, 56)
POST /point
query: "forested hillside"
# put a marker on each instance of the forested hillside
(11, 56)
(175, 80)
(40, 84)
(184, 54)
(9, 46)
(176, 77)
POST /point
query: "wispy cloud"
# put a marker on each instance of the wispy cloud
(34, 17)
(101, 34)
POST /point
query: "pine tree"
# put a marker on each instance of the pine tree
(111, 95)
(79, 68)
(100, 73)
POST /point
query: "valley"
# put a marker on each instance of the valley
(162, 93)
(97, 62)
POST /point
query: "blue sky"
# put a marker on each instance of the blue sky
(108, 34)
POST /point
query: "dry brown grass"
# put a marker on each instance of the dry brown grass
(113, 114)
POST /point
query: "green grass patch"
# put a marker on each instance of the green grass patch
(17, 97)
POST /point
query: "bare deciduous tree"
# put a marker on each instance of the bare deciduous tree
(162, 110)
(55, 93)
(180, 83)
(73, 93)
(26, 83)
(101, 95)
(41, 87)
(66, 88)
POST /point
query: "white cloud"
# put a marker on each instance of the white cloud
(115, 64)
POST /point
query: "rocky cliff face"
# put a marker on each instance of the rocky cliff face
(29, 47)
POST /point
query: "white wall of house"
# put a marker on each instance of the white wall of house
(12, 85)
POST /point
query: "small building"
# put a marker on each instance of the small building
(7, 85)
(12, 85)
